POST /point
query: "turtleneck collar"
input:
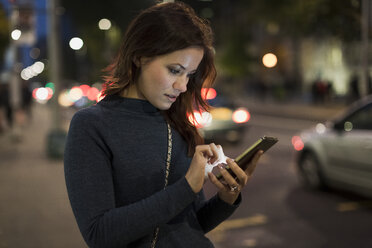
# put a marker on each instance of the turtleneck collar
(130, 104)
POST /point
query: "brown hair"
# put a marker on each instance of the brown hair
(158, 30)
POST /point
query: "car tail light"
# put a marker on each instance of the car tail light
(241, 115)
(297, 143)
(208, 93)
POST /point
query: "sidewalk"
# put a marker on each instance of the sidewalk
(34, 207)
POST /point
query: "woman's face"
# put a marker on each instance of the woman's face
(163, 78)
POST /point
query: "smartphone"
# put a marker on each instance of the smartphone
(243, 160)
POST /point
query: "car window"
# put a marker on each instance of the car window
(362, 119)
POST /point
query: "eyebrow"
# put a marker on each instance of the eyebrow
(183, 68)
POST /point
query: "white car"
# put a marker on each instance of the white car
(338, 153)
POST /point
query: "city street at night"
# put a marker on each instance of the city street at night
(109, 111)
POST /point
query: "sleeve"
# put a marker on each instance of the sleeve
(212, 212)
(92, 195)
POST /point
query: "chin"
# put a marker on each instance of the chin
(164, 107)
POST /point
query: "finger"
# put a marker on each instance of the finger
(214, 149)
(253, 163)
(204, 150)
(227, 177)
(216, 182)
(257, 156)
(242, 177)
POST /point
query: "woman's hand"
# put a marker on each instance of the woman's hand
(202, 155)
(229, 188)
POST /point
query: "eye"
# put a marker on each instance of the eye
(191, 75)
(174, 71)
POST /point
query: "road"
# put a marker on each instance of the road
(277, 212)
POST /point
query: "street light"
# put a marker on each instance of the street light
(16, 34)
(104, 24)
(76, 43)
(269, 60)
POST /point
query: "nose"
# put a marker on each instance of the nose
(181, 84)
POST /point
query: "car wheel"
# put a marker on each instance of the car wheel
(310, 172)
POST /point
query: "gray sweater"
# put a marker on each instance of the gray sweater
(115, 160)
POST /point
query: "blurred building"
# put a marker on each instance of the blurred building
(27, 39)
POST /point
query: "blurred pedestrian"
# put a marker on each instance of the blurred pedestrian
(329, 93)
(134, 164)
(5, 106)
(26, 101)
(354, 93)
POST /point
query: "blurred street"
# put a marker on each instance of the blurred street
(34, 208)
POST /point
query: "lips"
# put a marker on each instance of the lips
(172, 98)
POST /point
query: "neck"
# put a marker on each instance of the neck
(132, 92)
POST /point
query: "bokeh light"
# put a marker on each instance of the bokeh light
(269, 60)
(104, 24)
(208, 93)
(64, 100)
(76, 43)
(200, 119)
(42, 93)
(320, 128)
(348, 126)
(297, 143)
(85, 89)
(32, 70)
(75, 94)
(241, 115)
(16, 34)
(93, 94)
(51, 86)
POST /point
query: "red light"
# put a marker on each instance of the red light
(297, 143)
(85, 88)
(34, 93)
(241, 115)
(208, 93)
(92, 94)
(50, 93)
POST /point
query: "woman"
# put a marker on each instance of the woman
(132, 179)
